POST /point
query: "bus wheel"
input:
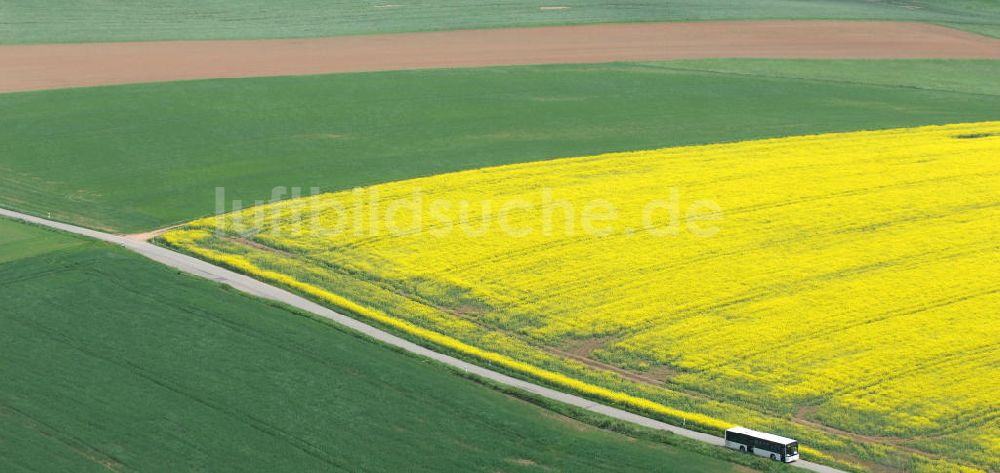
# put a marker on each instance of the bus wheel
(743, 449)
(774, 457)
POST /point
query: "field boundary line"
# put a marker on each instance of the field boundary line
(254, 287)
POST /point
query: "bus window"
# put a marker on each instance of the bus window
(792, 449)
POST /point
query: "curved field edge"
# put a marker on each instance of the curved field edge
(831, 449)
(115, 362)
(236, 253)
(186, 241)
(64, 21)
(156, 153)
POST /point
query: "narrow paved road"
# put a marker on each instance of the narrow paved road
(257, 288)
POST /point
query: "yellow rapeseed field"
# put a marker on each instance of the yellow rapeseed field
(843, 288)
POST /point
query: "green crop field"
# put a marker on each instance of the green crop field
(23, 241)
(30, 21)
(140, 157)
(113, 362)
(971, 77)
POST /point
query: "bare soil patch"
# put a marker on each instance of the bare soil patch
(50, 66)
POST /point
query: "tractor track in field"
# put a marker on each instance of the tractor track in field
(254, 287)
(53, 66)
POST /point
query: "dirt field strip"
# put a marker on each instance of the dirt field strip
(260, 289)
(39, 67)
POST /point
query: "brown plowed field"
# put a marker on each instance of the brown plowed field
(37, 67)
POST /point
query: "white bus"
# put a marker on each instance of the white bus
(762, 444)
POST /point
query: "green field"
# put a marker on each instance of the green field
(114, 362)
(971, 77)
(23, 241)
(30, 21)
(140, 157)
